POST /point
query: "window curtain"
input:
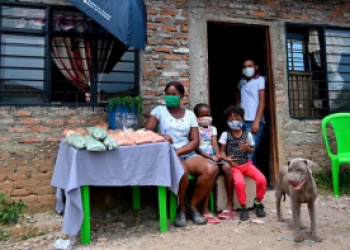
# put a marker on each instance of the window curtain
(314, 46)
(72, 55)
(338, 69)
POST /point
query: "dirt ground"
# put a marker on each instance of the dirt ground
(124, 228)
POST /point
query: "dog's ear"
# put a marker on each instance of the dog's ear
(310, 164)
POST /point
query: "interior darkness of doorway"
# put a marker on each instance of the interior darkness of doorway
(228, 46)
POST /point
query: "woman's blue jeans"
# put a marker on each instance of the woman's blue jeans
(257, 137)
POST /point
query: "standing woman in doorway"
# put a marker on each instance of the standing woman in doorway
(179, 127)
(251, 96)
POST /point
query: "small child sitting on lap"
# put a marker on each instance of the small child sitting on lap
(236, 144)
(209, 149)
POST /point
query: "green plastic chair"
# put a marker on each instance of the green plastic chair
(340, 124)
(173, 201)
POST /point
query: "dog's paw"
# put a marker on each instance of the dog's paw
(303, 227)
(298, 238)
(314, 237)
(281, 219)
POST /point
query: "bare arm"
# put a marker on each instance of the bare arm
(215, 145)
(261, 106)
(151, 124)
(193, 143)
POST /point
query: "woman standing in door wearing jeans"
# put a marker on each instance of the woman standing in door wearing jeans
(179, 127)
(251, 96)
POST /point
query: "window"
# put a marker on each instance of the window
(55, 55)
(318, 70)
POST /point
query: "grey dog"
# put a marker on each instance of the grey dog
(296, 181)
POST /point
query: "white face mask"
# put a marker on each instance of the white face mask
(248, 72)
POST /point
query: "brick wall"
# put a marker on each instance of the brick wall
(29, 143)
(30, 136)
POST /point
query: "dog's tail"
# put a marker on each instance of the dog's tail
(284, 196)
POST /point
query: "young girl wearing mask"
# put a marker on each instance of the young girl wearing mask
(236, 144)
(209, 149)
(179, 127)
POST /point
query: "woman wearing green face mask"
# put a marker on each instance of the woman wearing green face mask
(179, 127)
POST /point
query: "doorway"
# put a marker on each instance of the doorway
(228, 46)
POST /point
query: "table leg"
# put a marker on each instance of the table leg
(163, 220)
(173, 206)
(85, 226)
(136, 199)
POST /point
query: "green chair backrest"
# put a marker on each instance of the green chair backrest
(340, 123)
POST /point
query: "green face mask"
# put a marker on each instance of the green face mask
(172, 100)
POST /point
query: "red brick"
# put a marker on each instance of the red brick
(161, 83)
(272, 2)
(162, 49)
(185, 74)
(162, 65)
(29, 140)
(289, 16)
(76, 121)
(55, 122)
(18, 130)
(26, 169)
(42, 162)
(169, 42)
(152, 26)
(97, 120)
(168, 12)
(41, 129)
(186, 83)
(5, 139)
(15, 177)
(169, 28)
(184, 29)
(151, 41)
(181, 21)
(152, 12)
(53, 139)
(180, 1)
(181, 36)
(23, 113)
(21, 192)
(151, 92)
(150, 73)
(47, 198)
(30, 121)
(40, 176)
(184, 57)
(17, 162)
(44, 191)
(259, 13)
(171, 57)
(3, 177)
(26, 184)
(162, 20)
(8, 170)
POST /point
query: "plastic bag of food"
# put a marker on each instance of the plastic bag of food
(94, 145)
(122, 139)
(110, 142)
(97, 132)
(76, 140)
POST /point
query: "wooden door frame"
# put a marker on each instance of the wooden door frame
(272, 114)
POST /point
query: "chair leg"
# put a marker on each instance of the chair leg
(173, 206)
(85, 226)
(211, 203)
(335, 177)
(163, 221)
(136, 200)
